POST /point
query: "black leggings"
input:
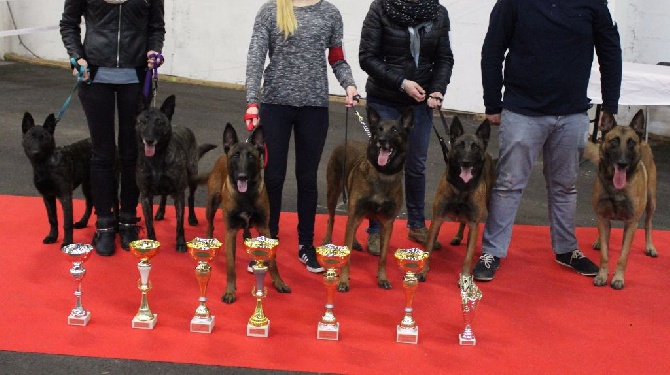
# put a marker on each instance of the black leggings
(310, 127)
(100, 102)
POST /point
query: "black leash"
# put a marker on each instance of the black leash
(443, 144)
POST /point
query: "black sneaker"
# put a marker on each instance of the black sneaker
(307, 255)
(486, 267)
(577, 261)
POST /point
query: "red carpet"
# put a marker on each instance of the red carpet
(536, 317)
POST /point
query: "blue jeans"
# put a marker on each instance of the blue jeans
(562, 140)
(415, 162)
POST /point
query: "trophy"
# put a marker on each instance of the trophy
(203, 250)
(332, 258)
(78, 254)
(144, 250)
(411, 261)
(470, 296)
(261, 250)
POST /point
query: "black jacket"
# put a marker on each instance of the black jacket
(116, 35)
(384, 54)
(546, 50)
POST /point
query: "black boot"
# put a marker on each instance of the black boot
(128, 229)
(105, 236)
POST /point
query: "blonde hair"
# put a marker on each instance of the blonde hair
(286, 21)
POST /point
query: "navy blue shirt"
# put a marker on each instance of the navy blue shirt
(547, 47)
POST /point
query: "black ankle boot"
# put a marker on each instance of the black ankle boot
(128, 229)
(104, 238)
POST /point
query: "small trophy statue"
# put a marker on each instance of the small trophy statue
(411, 261)
(470, 296)
(145, 250)
(332, 258)
(203, 250)
(261, 250)
(78, 254)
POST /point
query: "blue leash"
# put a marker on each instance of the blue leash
(81, 70)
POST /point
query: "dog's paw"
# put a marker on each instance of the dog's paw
(192, 221)
(596, 245)
(384, 284)
(456, 241)
(49, 239)
(357, 246)
(228, 298)
(80, 225)
(343, 287)
(422, 277)
(160, 215)
(651, 251)
(282, 288)
(617, 284)
(600, 281)
(181, 247)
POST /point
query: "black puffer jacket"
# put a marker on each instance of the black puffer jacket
(384, 54)
(116, 35)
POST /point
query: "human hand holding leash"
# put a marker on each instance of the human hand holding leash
(251, 116)
(154, 58)
(435, 100)
(352, 98)
(80, 69)
(414, 90)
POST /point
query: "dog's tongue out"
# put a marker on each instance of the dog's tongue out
(383, 157)
(619, 179)
(242, 186)
(466, 174)
(149, 150)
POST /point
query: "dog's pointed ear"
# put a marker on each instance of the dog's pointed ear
(258, 138)
(638, 125)
(484, 132)
(607, 121)
(28, 122)
(50, 123)
(229, 137)
(407, 118)
(456, 129)
(373, 116)
(168, 106)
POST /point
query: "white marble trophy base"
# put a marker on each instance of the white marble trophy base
(328, 331)
(466, 341)
(262, 331)
(79, 320)
(407, 335)
(145, 324)
(202, 325)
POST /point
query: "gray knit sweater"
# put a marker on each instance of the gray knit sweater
(297, 74)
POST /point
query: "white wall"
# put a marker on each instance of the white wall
(208, 39)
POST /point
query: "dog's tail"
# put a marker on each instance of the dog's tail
(205, 148)
(592, 152)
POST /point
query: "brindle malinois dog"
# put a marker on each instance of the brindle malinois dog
(57, 171)
(167, 163)
(236, 185)
(464, 191)
(624, 188)
(373, 176)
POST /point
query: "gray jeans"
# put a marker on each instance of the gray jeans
(562, 140)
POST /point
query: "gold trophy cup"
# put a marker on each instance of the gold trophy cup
(470, 296)
(203, 250)
(261, 250)
(332, 258)
(78, 254)
(411, 261)
(144, 250)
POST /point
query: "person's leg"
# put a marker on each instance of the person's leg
(415, 166)
(562, 153)
(127, 96)
(98, 102)
(521, 138)
(277, 121)
(311, 129)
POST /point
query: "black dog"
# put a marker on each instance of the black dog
(57, 171)
(167, 163)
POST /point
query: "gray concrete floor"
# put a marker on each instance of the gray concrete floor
(42, 89)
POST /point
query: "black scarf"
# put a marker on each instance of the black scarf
(409, 13)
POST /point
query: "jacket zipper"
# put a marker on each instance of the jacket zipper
(118, 38)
